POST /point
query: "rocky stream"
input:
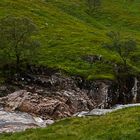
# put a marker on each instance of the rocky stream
(38, 99)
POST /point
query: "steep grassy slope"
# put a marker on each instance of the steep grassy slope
(120, 125)
(67, 32)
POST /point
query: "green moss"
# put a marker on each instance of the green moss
(103, 76)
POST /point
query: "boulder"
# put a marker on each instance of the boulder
(59, 105)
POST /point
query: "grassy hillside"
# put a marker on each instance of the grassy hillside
(67, 32)
(120, 125)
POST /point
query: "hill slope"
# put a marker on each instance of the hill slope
(120, 125)
(68, 32)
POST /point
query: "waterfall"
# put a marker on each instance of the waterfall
(134, 90)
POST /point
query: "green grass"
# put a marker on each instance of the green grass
(120, 125)
(67, 32)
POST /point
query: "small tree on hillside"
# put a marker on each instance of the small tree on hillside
(124, 71)
(17, 39)
(123, 48)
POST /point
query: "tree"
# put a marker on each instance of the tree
(125, 73)
(123, 48)
(17, 38)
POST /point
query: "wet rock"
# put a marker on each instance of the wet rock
(18, 121)
(49, 122)
(7, 89)
(59, 105)
(81, 114)
(53, 95)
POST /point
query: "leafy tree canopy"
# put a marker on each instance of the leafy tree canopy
(17, 39)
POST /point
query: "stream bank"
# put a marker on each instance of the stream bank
(50, 95)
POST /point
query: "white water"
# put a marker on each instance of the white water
(134, 90)
(18, 121)
(99, 112)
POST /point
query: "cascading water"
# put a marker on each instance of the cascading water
(18, 121)
(134, 90)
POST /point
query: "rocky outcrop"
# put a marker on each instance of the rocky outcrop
(109, 93)
(58, 105)
(54, 95)
(125, 91)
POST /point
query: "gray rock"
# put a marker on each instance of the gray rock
(49, 122)
(18, 121)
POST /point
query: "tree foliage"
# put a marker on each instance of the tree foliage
(124, 48)
(17, 39)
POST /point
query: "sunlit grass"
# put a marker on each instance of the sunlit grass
(120, 125)
(67, 32)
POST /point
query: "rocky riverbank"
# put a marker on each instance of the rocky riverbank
(54, 96)
(16, 121)
(50, 95)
